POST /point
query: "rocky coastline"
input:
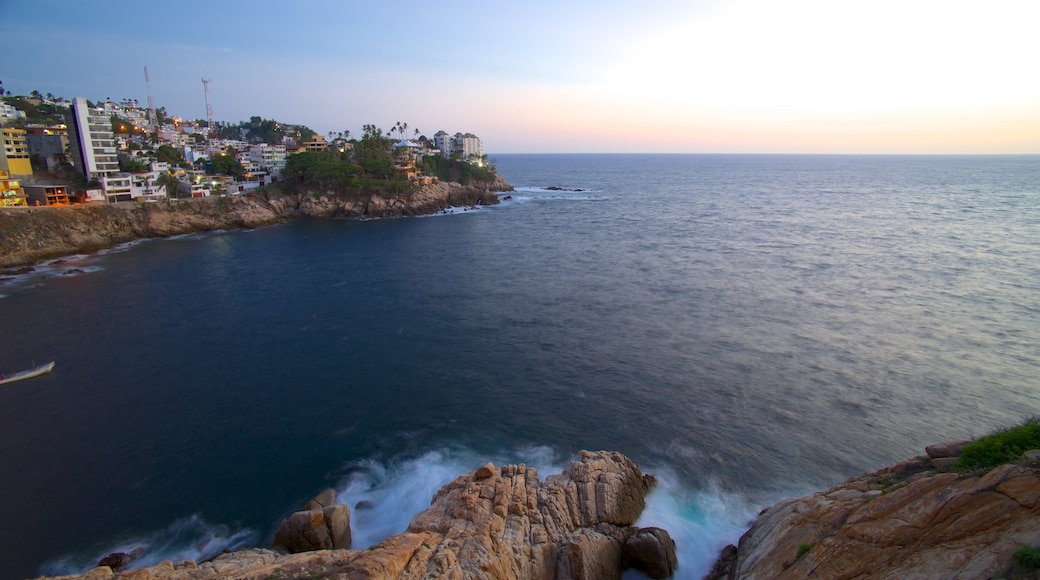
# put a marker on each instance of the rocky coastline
(493, 522)
(31, 235)
(915, 519)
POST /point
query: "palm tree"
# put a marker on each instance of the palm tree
(171, 183)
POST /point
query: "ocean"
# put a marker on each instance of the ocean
(745, 327)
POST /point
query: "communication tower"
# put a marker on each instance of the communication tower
(209, 108)
(152, 121)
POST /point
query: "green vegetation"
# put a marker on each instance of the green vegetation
(132, 165)
(260, 130)
(43, 113)
(226, 164)
(169, 154)
(455, 170)
(170, 183)
(373, 152)
(1004, 446)
(1028, 558)
(324, 169)
(803, 549)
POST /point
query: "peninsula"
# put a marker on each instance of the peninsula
(32, 234)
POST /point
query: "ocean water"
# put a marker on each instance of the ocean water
(747, 328)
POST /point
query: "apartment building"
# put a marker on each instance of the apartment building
(91, 140)
(465, 146)
(269, 158)
(15, 158)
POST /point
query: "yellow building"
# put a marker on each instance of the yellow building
(15, 159)
(11, 192)
(317, 144)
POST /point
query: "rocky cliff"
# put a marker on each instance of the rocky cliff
(911, 520)
(490, 523)
(29, 235)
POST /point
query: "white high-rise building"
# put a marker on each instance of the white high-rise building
(464, 146)
(468, 147)
(443, 142)
(91, 140)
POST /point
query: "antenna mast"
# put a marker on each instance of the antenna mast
(152, 121)
(209, 108)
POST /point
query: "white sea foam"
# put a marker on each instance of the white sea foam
(701, 521)
(456, 209)
(190, 538)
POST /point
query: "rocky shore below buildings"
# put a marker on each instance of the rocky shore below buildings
(501, 523)
(30, 235)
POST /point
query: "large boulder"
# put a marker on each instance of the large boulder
(652, 552)
(321, 525)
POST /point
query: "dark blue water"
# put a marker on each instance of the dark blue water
(747, 327)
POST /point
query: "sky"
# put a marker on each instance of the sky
(560, 76)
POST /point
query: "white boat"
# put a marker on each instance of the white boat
(27, 374)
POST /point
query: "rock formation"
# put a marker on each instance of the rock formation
(491, 523)
(906, 521)
(29, 235)
(321, 525)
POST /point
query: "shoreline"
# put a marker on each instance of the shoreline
(30, 236)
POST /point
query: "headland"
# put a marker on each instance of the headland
(30, 235)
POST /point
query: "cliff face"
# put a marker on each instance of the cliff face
(29, 235)
(491, 523)
(904, 521)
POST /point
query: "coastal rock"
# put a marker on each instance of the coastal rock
(946, 449)
(508, 524)
(321, 525)
(491, 523)
(652, 552)
(895, 523)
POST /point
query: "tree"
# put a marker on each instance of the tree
(373, 152)
(169, 182)
(169, 154)
(225, 164)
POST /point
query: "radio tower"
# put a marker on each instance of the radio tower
(209, 108)
(152, 121)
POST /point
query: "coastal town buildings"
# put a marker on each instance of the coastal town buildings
(47, 194)
(15, 158)
(91, 140)
(11, 192)
(464, 146)
(467, 147)
(9, 114)
(48, 145)
(109, 144)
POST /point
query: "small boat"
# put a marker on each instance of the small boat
(27, 374)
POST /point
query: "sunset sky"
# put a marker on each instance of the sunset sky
(742, 76)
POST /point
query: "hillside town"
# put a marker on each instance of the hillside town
(61, 152)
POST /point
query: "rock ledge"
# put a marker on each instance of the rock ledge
(500, 523)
